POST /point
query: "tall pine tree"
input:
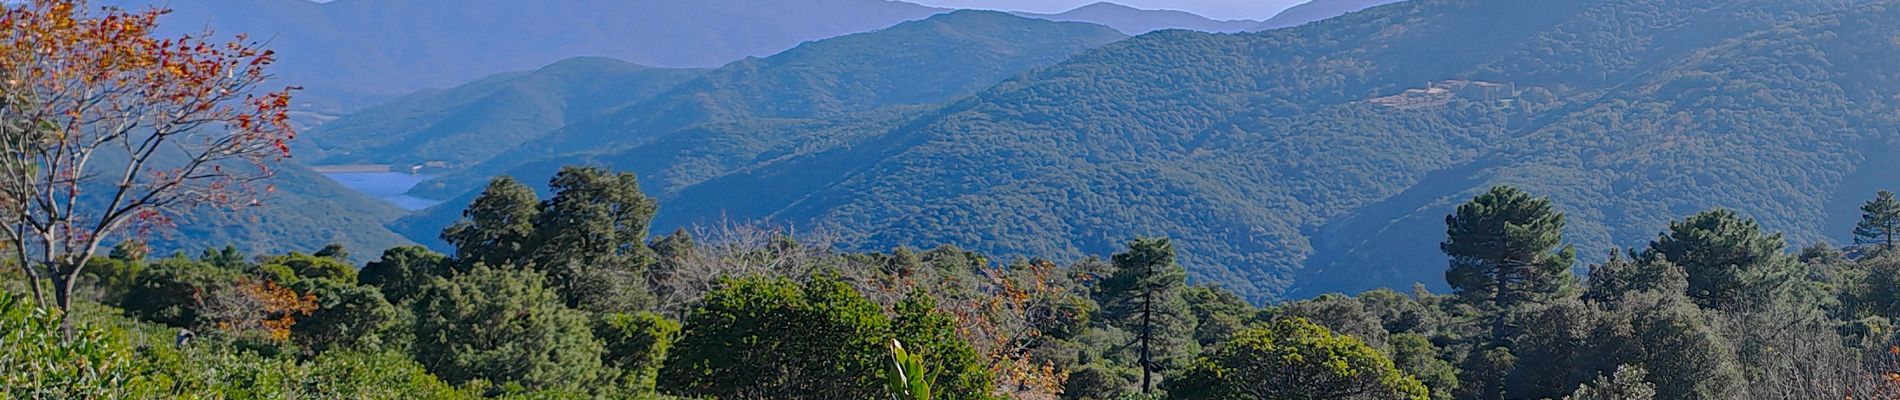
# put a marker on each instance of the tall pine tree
(1144, 296)
(1504, 249)
(1879, 221)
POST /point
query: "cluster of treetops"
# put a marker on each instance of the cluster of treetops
(566, 297)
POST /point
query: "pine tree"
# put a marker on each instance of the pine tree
(1879, 221)
(590, 237)
(1723, 254)
(1145, 296)
(495, 229)
(1504, 254)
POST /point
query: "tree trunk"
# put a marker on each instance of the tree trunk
(33, 280)
(1147, 333)
(1499, 298)
(63, 296)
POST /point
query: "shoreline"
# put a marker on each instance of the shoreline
(350, 168)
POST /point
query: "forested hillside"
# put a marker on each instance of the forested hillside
(1316, 10)
(300, 209)
(813, 98)
(1427, 200)
(566, 296)
(1290, 162)
(473, 122)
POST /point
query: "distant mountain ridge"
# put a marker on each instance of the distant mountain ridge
(473, 122)
(1284, 163)
(1311, 159)
(758, 109)
(1136, 21)
(1317, 10)
(352, 53)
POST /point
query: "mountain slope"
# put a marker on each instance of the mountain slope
(473, 122)
(1311, 159)
(1317, 10)
(819, 96)
(351, 53)
(915, 63)
(1135, 21)
(303, 212)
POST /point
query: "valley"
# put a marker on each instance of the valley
(880, 199)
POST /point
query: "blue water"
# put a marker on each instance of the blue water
(387, 186)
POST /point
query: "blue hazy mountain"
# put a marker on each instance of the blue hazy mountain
(473, 122)
(1135, 21)
(1316, 10)
(1309, 159)
(762, 108)
(353, 53)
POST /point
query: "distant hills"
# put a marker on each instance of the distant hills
(1285, 163)
(474, 122)
(1309, 159)
(1314, 11)
(353, 53)
(761, 109)
(1135, 21)
(350, 54)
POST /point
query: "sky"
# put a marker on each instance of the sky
(1216, 9)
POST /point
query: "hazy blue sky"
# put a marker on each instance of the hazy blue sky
(1217, 9)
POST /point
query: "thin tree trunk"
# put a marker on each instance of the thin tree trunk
(1498, 299)
(1147, 333)
(32, 273)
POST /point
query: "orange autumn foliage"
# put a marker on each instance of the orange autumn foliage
(146, 127)
(273, 309)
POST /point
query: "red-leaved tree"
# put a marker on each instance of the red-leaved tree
(108, 129)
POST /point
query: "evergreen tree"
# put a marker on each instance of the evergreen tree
(1879, 221)
(1723, 254)
(1415, 355)
(1482, 374)
(1218, 313)
(1678, 343)
(403, 272)
(1880, 291)
(1291, 358)
(495, 228)
(1144, 296)
(1555, 345)
(1098, 381)
(348, 316)
(1621, 276)
(174, 291)
(1504, 254)
(770, 338)
(334, 251)
(637, 344)
(504, 326)
(590, 237)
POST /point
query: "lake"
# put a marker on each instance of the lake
(387, 186)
